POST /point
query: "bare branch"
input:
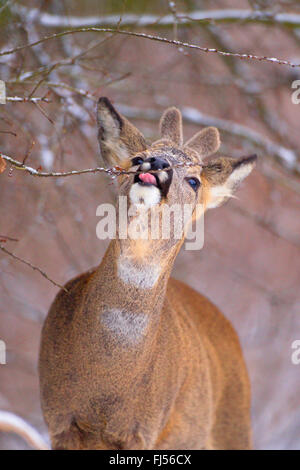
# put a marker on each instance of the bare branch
(113, 171)
(35, 268)
(78, 91)
(32, 171)
(10, 133)
(202, 16)
(6, 237)
(286, 156)
(10, 422)
(172, 42)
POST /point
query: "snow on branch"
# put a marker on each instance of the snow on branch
(50, 20)
(25, 99)
(32, 171)
(286, 156)
(10, 422)
(173, 42)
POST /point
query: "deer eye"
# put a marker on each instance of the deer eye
(194, 183)
(137, 161)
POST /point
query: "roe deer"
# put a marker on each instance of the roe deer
(131, 358)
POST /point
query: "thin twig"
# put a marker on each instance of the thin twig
(48, 68)
(5, 237)
(173, 42)
(44, 113)
(113, 171)
(9, 132)
(35, 268)
(30, 148)
(8, 3)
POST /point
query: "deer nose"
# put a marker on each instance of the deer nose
(157, 163)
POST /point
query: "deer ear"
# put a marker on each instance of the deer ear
(118, 138)
(205, 142)
(222, 176)
(171, 126)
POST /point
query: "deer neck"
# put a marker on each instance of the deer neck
(132, 290)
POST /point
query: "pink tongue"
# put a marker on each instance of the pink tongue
(147, 178)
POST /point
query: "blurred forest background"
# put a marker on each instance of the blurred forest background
(249, 266)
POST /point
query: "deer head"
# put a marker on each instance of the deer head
(209, 184)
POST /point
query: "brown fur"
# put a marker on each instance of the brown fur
(205, 142)
(124, 366)
(171, 126)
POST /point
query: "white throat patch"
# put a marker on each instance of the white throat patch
(143, 277)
